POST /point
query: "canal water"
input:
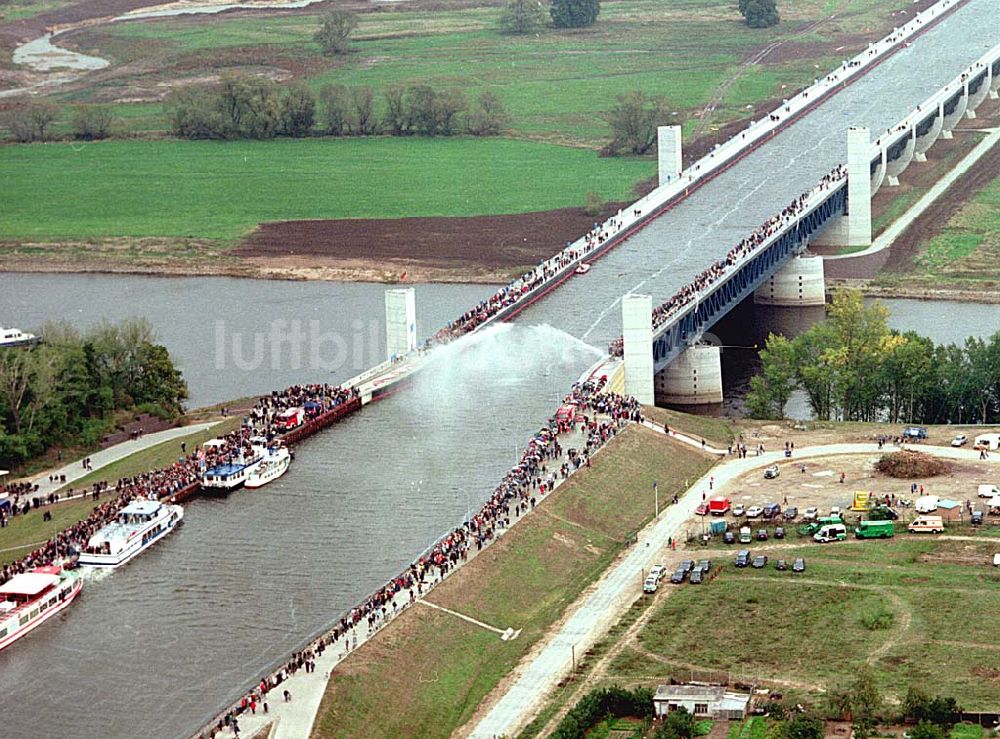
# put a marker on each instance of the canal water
(157, 647)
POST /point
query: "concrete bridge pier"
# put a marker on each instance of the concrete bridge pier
(951, 119)
(637, 343)
(801, 282)
(400, 322)
(977, 97)
(930, 135)
(994, 72)
(668, 148)
(878, 171)
(694, 378)
(896, 167)
(855, 227)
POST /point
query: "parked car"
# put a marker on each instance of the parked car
(743, 558)
(729, 537)
(739, 510)
(701, 510)
(799, 565)
(960, 440)
(704, 565)
(761, 535)
(835, 511)
(759, 562)
(678, 577)
(988, 491)
(782, 565)
(771, 511)
(914, 433)
(977, 518)
(790, 513)
(657, 571)
(779, 533)
(696, 577)
(754, 511)
(772, 472)
(887, 513)
(650, 585)
(810, 514)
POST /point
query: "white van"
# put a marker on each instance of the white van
(988, 491)
(926, 504)
(831, 532)
(927, 525)
(987, 441)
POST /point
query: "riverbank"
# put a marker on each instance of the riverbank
(988, 293)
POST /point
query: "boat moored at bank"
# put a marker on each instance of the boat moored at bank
(30, 599)
(138, 526)
(16, 337)
(234, 473)
(274, 465)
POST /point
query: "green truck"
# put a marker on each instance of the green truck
(811, 528)
(874, 530)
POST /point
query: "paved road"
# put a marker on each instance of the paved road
(602, 607)
(74, 470)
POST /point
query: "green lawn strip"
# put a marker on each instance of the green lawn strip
(717, 432)
(966, 731)
(22, 532)
(221, 190)
(525, 580)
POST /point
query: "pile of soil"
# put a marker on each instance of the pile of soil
(911, 465)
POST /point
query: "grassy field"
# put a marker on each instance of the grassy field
(432, 668)
(808, 633)
(556, 84)
(718, 432)
(23, 533)
(221, 190)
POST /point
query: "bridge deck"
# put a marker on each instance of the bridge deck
(672, 250)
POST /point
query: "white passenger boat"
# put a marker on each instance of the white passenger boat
(275, 464)
(15, 337)
(233, 474)
(32, 598)
(139, 525)
(582, 269)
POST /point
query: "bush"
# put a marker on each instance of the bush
(678, 724)
(633, 122)
(520, 17)
(298, 111)
(335, 30)
(489, 117)
(760, 13)
(574, 13)
(92, 122)
(593, 203)
(878, 619)
(908, 465)
(804, 726)
(335, 109)
(31, 122)
(599, 704)
(920, 706)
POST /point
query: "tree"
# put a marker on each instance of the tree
(520, 17)
(760, 13)
(298, 111)
(250, 107)
(449, 107)
(363, 107)
(489, 116)
(398, 118)
(920, 706)
(771, 389)
(574, 13)
(633, 121)
(335, 30)
(194, 113)
(92, 122)
(804, 726)
(679, 724)
(335, 109)
(31, 122)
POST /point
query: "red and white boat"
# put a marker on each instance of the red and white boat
(582, 269)
(30, 599)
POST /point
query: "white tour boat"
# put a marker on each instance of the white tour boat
(275, 464)
(32, 598)
(582, 269)
(139, 525)
(225, 477)
(15, 337)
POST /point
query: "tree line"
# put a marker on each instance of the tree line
(853, 367)
(257, 108)
(67, 389)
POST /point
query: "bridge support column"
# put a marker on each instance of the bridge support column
(694, 378)
(801, 282)
(668, 147)
(855, 227)
(400, 321)
(951, 119)
(637, 341)
(897, 166)
(931, 135)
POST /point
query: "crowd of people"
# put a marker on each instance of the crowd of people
(599, 416)
(691, 292)
(162, 483)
